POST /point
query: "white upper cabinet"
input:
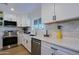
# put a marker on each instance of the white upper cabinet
(66, 11)
(23, 21)
(63, 11)
(47, 12)
(19, 21)
(10, 17)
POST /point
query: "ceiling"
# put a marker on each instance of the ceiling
(19, 7)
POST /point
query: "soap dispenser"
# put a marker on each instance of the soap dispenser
(59, 33)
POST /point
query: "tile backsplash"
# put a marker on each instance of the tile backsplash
(69, 29)
(72, 26)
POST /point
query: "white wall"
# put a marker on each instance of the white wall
(33, 16)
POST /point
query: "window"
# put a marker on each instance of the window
(38, 24)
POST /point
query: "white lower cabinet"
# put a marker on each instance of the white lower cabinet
(26, 41)
(51, 49)
(59, 52)
(1, 37)
(20, 38)
(46, 49)
(0, 43)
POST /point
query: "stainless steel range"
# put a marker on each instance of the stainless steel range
(9, 39)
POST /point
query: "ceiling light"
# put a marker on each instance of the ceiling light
(12, 9)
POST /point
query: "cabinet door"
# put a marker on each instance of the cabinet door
(19, 38)
(47, 12)
(7, 17)
(1, 39)
(24, 40)
(10, 17)
(14, 17)
(66, 11)
(25, 21)
(27, 43)
(19, 21)
(59, 52)
(46, 49)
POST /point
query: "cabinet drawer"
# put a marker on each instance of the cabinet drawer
(46, 44)
(47, 48)
(46, 51)
(59, 52)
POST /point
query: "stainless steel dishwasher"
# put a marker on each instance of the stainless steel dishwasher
(36, 46)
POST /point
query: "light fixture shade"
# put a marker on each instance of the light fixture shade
(54, 17)
(12, 9)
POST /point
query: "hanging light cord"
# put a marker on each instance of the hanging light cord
(54, 9)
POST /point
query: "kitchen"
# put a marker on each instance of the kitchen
(39, 28)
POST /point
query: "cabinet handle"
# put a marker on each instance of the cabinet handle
(52, 54)
(26, 41)
(54, 48)
(37, 42)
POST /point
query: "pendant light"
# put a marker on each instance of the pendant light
(54, 17)
(12, 9)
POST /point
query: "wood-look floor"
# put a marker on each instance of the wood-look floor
(19, 50)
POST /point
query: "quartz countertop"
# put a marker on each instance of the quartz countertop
(67, 42)
(71, 43)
